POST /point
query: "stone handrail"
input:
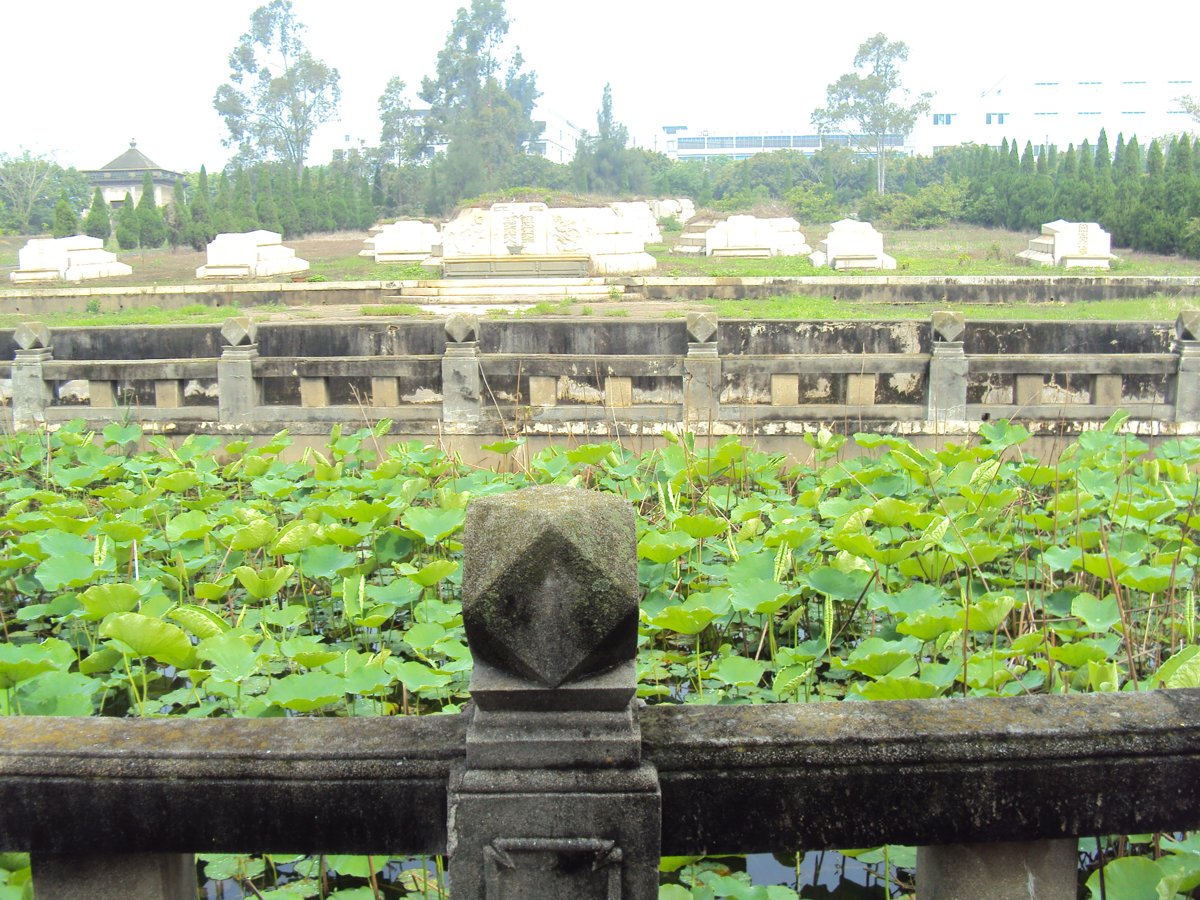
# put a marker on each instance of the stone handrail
(557, 782)
(466, 390)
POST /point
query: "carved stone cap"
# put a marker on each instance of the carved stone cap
(32, 336)
(948, 326)
(1187, 326)
(239, 331)
(550, 590)
(461, 327)
(701, 326)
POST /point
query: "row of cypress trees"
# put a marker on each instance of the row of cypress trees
(1147, 199)
(265, 196)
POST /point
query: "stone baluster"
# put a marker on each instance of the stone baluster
(1045, 870)
(553, 798)
(240, 392)
(30, 392)
(1185, 393)
(462, 394)
(947, 369)
(702, 370)
(88, 876)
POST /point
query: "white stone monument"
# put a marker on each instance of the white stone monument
(693, 240)
(639, 219)
(681, 209)
(253, 254)
(598, 237)
(852, 245)
(755, 238)
(604, 237)
(74, 258)
(1073, 245)
(407, 241)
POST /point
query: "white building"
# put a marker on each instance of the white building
(558, 137)
(1056, 111)
(682, 142)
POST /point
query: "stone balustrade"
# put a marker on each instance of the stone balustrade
(556, 782)
(468, 376)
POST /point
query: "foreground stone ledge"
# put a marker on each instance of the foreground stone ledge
(734, 779)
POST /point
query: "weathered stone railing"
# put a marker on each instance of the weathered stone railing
(557, 782)
(560, 377)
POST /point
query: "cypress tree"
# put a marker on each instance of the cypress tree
(177, 217)
(285, 192)
(66, 220)
(127, 224)
(306, 204)
(245, 218)
(1043, 164)
(1027, 165)
(98, 224)
(152, 230)
(200, 226)
(222, 209)
(264, 202)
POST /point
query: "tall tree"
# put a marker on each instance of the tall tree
(278, 94)
(600, 159)
(480, 103)
(873, 99)
(25, 182)
(98, 224)
(66, 220)
(127, 224)
(401, 135)
(152, 230)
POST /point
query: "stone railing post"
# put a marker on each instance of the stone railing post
(1185, 392)
(240, 393)
(30, 393)
(86, 876)
(702, 370)
(947, 369)
(1045, 870)
(553, 799)
(462, 392)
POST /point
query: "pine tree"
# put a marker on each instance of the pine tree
(177, 217)
(152, 230)
(265, 209)
(200, 226)
(127, 224)
(66, 220)
(306, 204)
(222, 208)
(245, 217)
(97, 224)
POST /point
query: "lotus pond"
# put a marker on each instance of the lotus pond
(210, 578)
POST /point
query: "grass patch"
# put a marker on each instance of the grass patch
(364, 268)
(1156, 308)
(393, 309)
(196, 314)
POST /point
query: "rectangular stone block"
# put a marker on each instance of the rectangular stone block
(1107, 390)
(618, 392)
(167, 394)
(860, 390)
(101, 394)
(785, 390)
(146, 876)
(385, 392)
(543, 390)
(314, 392)
(1028, 389)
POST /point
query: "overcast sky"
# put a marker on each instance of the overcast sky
(83, 78)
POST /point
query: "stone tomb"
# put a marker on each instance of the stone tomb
(1073, 245)
(755, 238)
(513, 237)
(639, 219)
(253, 254)
(74, 258)
(681, 209)
(852, 245)
(406, 241)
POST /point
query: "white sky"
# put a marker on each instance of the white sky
(82, 77)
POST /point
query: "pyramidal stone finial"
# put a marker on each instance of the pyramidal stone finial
(550, 590)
